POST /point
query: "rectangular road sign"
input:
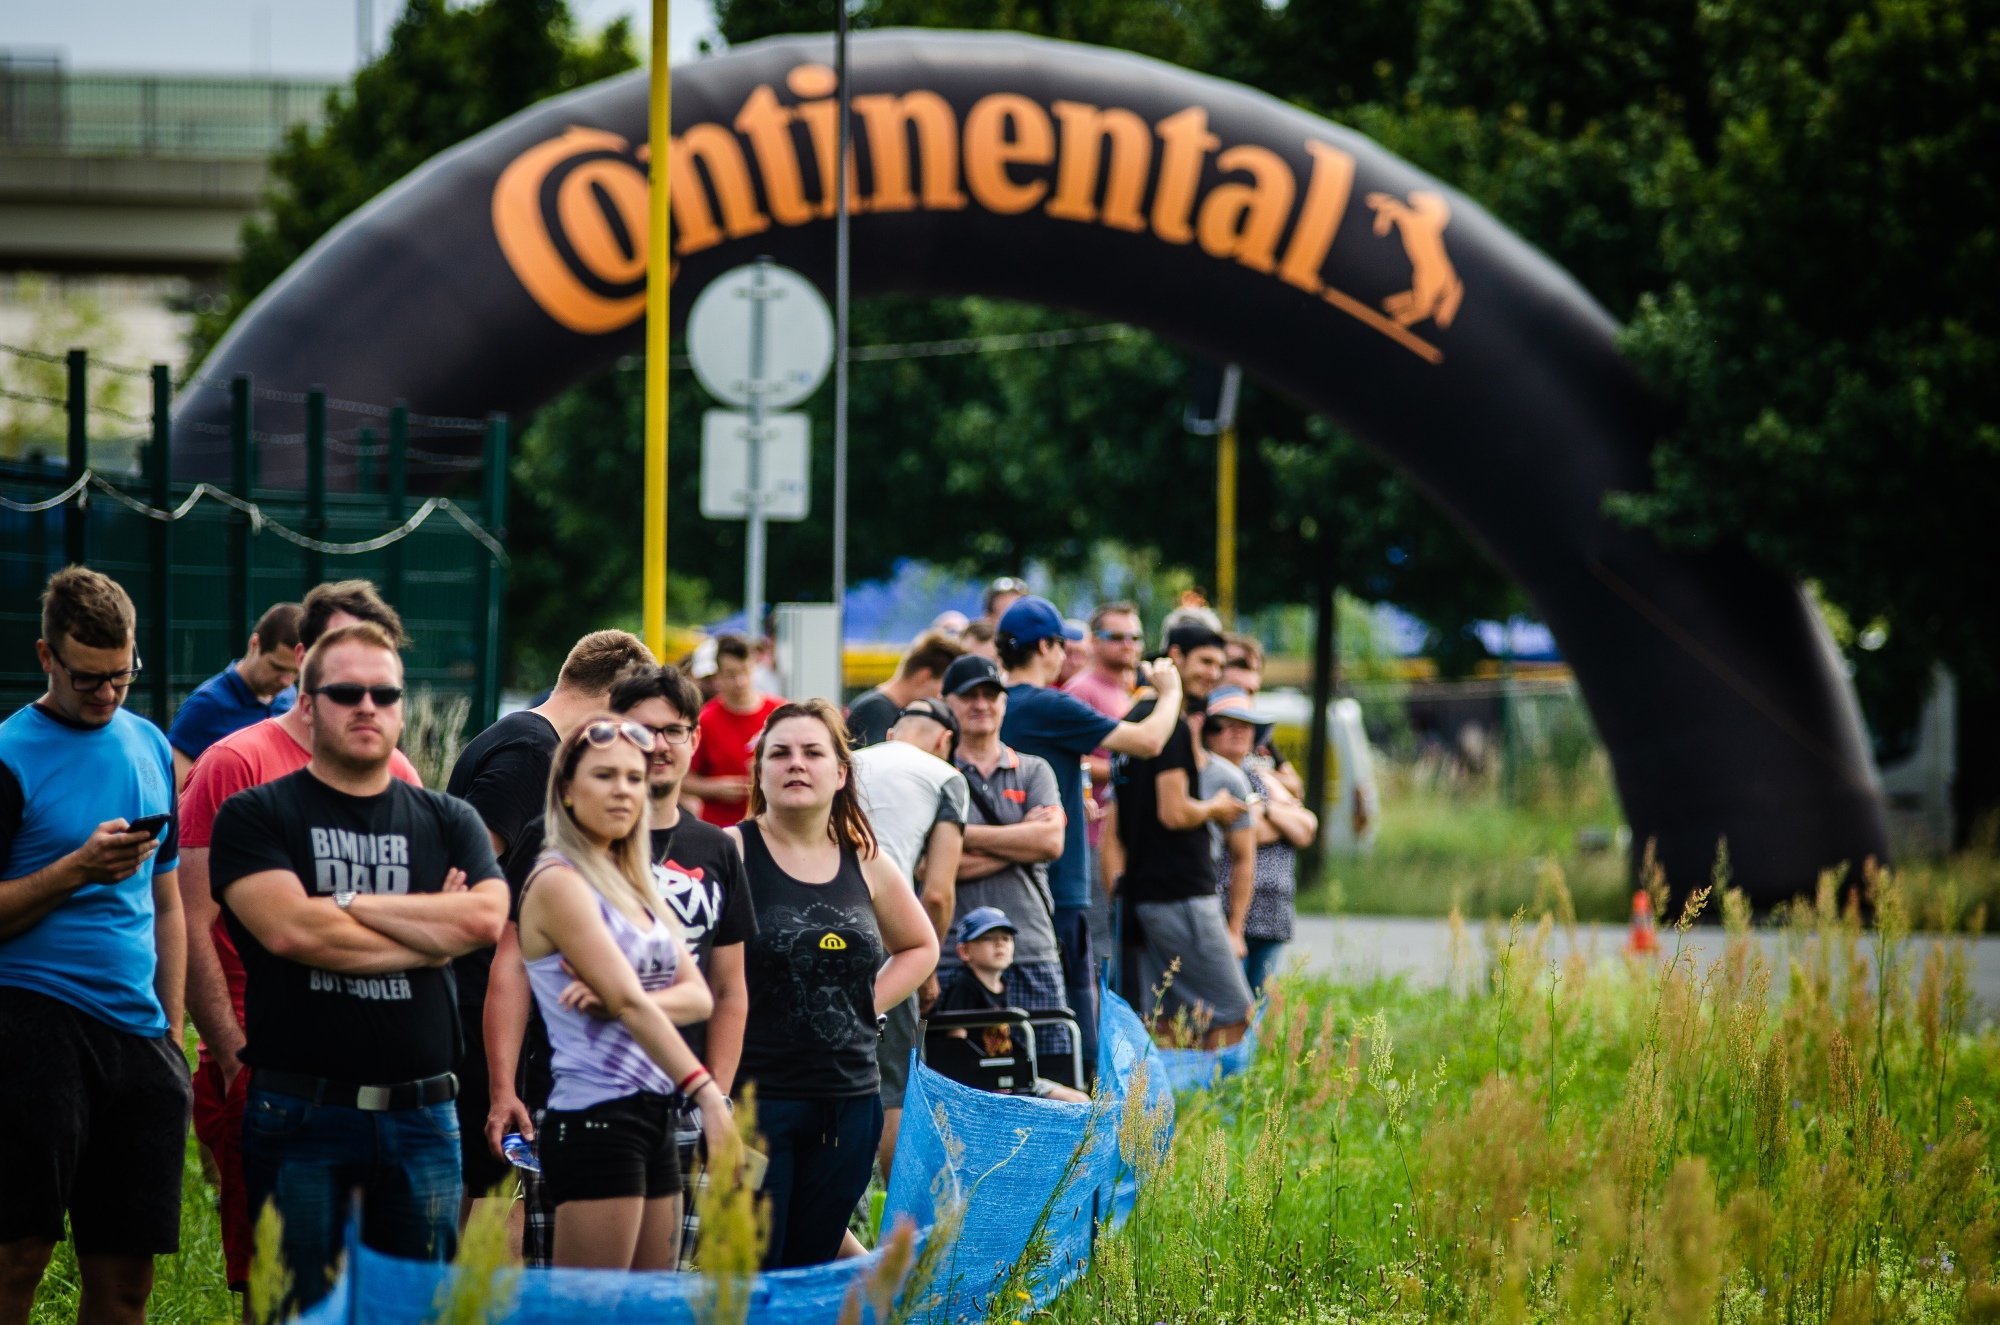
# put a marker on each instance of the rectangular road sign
(783, 464)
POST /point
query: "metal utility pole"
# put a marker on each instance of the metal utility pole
(841, 255)
(754, 532)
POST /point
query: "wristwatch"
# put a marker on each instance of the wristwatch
(344, 898)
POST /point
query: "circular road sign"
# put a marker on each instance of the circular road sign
(798, 336)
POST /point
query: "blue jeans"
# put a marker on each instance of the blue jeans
(1262, 962)
(822, 1152)
(311, 1159)
(1072, 924)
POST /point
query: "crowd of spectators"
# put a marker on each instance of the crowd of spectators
(656, 893)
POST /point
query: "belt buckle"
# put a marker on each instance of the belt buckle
(374, 1098)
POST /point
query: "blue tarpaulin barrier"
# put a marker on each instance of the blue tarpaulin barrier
(1008, 1170)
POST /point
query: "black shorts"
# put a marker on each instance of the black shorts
(622, 1147)
(97, 1125)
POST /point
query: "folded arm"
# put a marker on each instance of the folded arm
(273, 906)
(445, 924)
(1029, 842)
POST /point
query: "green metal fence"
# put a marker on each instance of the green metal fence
(201, 578)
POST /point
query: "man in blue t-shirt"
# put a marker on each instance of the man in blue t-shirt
(257, 686)
(92, 958)
(1060, 728)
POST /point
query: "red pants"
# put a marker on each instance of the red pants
(218, 1124)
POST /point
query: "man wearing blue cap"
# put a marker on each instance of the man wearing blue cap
(1062, 729)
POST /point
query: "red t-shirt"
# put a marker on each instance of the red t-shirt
(726, 738)
(262, 752)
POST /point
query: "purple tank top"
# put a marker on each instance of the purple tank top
(595, 1060)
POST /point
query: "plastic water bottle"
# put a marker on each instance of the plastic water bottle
(520, 1152)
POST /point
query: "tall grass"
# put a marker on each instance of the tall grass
(1596, 1141)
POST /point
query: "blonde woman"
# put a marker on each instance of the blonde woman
(613, 978)
(841, 938)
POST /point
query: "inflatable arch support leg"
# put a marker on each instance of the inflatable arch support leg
(1248, 230)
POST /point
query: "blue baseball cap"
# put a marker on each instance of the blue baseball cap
(981, 921)
(1031, 620)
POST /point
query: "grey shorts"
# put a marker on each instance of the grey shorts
(892, 1051)
(1209, 982)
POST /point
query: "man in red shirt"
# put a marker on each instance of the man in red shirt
(250, 757)
(720, 770)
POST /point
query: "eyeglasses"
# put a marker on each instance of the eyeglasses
(86, 682)
(347, 694)
(602, 733)
(674, 733)
(1120, 637)
(1007, 584)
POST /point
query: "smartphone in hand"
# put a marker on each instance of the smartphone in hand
(151, 824)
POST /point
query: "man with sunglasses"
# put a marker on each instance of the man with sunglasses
(1108, 685)
(348, 892)
(699, 874)
(250, 757)
(93, 1084)
(503, 774)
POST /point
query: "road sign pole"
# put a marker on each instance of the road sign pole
(753, 562)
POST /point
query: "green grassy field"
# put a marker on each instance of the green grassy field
(1579, 1144)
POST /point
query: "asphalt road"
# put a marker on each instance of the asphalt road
(1419, 950)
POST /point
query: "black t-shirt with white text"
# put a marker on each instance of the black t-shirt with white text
(364, 1029)
(1161, 864)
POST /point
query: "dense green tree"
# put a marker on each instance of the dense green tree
(448, 72)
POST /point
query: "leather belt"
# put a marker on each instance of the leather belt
(376, 1099)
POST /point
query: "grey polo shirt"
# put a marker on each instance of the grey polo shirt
(1019, 783)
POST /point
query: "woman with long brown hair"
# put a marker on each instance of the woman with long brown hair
(612, 975)
(841, 938)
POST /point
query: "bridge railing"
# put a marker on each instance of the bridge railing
(45, 109)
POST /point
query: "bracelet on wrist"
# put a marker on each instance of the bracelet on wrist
(691, 1083)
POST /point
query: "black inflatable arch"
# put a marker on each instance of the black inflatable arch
(1248, 230)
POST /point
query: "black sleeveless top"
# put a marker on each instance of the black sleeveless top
(811, 970)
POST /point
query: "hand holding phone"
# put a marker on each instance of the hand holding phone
(152, 825)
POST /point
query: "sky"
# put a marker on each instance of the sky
(306, 38)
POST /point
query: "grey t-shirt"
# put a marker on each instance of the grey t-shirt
(1019, 784)
(907, 793)
(1218, 775)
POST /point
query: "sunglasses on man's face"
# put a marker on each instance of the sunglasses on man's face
(600, 734)
(1120, 637)
(347, 694)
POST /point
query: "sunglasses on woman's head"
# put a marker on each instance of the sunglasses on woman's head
(602, 733)
(347, 694)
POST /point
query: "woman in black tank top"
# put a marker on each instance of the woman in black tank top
(841, 938)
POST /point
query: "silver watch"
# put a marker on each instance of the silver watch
(343, 898)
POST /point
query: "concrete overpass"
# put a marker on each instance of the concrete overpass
(139, 173)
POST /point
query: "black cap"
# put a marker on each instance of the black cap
(1191, 635)
(936, 710)
(969, 671)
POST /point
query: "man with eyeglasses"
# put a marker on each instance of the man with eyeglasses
(503, 774)
(93, 1084)
(699, 875)
(998, 597)
(250, 757)
(348, 892)
(1108, 685)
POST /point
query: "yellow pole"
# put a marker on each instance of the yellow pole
(1225, 525)
(658, 263)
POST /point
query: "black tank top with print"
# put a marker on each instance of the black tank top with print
(811, 970)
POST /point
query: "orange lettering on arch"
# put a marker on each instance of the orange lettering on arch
(1001, 130)
(522, 229)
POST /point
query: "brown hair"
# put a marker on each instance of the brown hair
(978, 632)
(1118, 608)
(732, 646)
(596, 660)
(1249, 645)
(847, 826)
(278, 628)
(361, 632)
(626, 868)
(89, 607)
(357, 598)
(639, 684)
(933, 652)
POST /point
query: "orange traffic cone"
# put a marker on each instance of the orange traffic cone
(1642, 937)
